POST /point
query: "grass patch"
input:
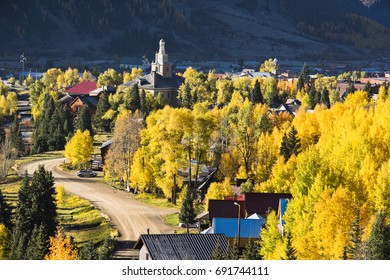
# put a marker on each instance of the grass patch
(83, 221)
(36, 157)
(157, 201)
(172, 219)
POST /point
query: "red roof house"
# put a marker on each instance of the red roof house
(83, 88)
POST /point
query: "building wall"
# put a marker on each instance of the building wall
(144, 254)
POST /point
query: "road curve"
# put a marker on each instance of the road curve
(129, 216)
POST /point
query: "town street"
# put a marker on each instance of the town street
(129, 216)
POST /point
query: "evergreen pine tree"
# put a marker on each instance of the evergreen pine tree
(36, 209)
(355, 248)
(161, 101)
(5, 212)
(303, 77)
(16, 136)
(367, 88)
(351, 87)
(89, 252)
(2, 132)
(251, 251)
(43, 200)
(290, 251)
(379, 241)
(19, 242)
(144, 103)
(38, 244)
(187, 213)
(325, 98)
(256, 95)
(291, 144)
(217, 253)
(135, 100)
(313, 97)
(102, 107)
(232, 252)
(106, 251)
(84, 119)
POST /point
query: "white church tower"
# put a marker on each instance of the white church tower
(161, 65)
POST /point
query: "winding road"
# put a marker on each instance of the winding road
(130, 217)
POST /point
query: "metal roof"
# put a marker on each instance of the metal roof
(249, 228)
(181, 246)
(260, 203)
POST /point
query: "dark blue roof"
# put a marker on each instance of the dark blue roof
(249, 228)
(181, 246)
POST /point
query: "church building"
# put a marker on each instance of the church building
(161, 78)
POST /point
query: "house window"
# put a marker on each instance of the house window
(147, 256)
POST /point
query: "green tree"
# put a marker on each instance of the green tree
(36, 208)
(106, 251)
(232, 252)
(355, 250)
(5, 212)
(291, 144)
(251, 251)
(109, 78)
(103, 106)
(135, 100)
(303, 78)
(379, 241)
(187, 212)
(38, 244)
(16, 136)
(256, 96)
(89, 252)
(217, 253)
(84, 121)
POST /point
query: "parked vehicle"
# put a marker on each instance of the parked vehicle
(86, 173)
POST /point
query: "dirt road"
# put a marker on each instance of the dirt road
(129, 216)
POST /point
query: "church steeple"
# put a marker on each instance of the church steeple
(161, 65)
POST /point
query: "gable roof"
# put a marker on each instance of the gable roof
(260, 203)
(181, 246)
(225, 209)
(83, 88)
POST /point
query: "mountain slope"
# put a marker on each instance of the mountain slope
(247, 29)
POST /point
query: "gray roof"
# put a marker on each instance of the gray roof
(181, 246)
(160, 82)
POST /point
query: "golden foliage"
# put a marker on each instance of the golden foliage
(61, 247)
(79, 148)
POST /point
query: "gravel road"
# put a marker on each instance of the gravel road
(129, 216)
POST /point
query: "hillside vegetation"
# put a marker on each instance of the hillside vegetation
(200, 29)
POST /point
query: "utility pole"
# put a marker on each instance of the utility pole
(22, 60)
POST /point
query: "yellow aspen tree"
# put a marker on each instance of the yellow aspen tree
(219, 190)
(271, 242)
(4, 242)
(61, 247)
(79, 148)
(334, 215)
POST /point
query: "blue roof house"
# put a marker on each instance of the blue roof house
(249, 228)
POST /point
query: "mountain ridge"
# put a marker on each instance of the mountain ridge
(240, 29)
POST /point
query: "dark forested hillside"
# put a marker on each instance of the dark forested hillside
(192, 29)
